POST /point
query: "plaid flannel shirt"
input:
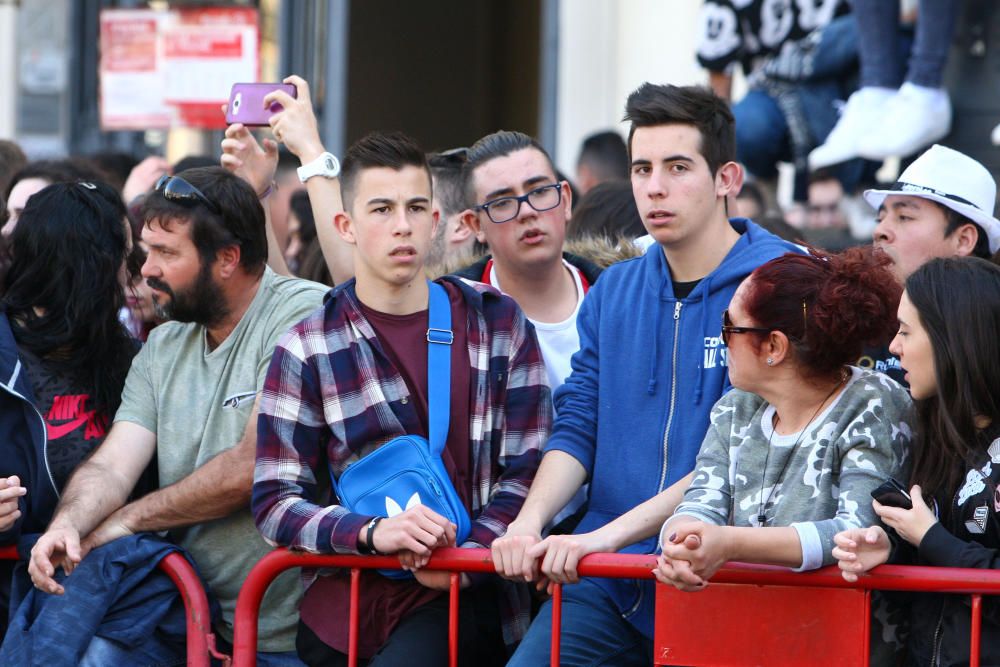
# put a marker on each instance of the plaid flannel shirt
(332, 395)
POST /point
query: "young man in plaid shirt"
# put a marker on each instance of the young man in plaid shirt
(352, 376)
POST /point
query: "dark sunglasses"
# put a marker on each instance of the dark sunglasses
(728, 329)
(176, 189)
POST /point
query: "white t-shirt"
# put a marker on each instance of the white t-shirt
(558, 341)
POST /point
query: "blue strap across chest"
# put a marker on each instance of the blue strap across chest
(439, 340)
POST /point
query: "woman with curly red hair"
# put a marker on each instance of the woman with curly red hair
(794, 450)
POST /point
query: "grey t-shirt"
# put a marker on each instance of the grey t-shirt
(197, 401)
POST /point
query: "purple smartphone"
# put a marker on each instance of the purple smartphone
(246, 103)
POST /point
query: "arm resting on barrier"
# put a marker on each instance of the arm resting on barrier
(561, 554)
(96, 489)
(558, 478)
(214, 490)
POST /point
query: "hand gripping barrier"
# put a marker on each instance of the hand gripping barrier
(200, 638)
(767, 615)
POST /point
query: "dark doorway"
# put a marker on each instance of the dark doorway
(445, 72)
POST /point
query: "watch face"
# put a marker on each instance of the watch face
(328, 163)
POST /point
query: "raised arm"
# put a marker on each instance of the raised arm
(256, 164)
(296, 127)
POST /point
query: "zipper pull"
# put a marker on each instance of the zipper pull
(677, 310)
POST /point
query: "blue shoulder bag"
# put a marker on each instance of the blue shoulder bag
(408, 470)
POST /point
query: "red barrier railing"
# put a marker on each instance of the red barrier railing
(626, 566)
(200, 638)
(454, 560)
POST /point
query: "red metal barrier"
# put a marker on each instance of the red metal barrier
(761, 589)
(455, 560)
(200, 638)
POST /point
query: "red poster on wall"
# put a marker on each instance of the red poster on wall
(161, 69)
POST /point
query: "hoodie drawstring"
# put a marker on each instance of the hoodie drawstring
(705, 289)
(651, 385)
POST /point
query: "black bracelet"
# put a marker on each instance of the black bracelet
(370, 549)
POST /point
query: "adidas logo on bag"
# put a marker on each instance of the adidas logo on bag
(392, 508)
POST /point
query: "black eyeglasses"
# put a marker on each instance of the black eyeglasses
(176, 189)
(728, 329)
(504, 209)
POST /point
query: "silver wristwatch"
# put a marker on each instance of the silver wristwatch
(326, 165)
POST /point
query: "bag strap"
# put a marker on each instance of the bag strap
(439, 340)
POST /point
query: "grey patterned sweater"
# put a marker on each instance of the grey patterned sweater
(850, 448)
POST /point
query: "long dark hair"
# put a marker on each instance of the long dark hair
(62, 292)
(958, 301)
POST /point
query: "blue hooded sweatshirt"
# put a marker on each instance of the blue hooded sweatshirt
(636, 406)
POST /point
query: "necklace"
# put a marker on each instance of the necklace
(761, 516)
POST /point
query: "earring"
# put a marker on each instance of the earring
(770, 361)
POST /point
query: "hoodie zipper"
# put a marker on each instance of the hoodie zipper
(673, 394)
(45, 437)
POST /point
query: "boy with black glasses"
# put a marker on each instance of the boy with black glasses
(520, 209)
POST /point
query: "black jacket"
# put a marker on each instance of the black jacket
(590, 270)
(967, 536)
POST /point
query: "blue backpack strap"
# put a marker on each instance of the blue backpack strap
(439, 340)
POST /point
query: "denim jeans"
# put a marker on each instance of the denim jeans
(154, 653)
(593, 633)
(882, 60)
(762, 132)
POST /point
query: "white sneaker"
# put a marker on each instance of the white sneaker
(914, 118)
(864, 108)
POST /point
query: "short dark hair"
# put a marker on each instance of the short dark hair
(447, 168)
(608, 211)
(954, 220)
(492, 146)
(650, 105)
(194, 162)
(12, 158)
(54, 171)
(240, 223)
(605, 153)
(394, 150)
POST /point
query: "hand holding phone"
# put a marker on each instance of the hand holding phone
(246, 103)
(893, 494)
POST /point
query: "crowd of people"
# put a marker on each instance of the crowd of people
(197, 356)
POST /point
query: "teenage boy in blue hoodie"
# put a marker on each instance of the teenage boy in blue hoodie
(633, 413)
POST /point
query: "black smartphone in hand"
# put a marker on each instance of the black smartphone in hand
(893, 494)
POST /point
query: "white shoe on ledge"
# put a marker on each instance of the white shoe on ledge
(914, 118)
(863, 109)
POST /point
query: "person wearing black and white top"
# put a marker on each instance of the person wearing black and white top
(953, 373)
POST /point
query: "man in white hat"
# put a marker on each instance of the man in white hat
(941, 206)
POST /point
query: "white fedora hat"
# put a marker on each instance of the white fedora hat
(951, 179)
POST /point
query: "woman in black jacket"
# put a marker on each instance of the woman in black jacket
(948, 345)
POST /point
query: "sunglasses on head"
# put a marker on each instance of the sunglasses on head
(176, 189)
(728, 329)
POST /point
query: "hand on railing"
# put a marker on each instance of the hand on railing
(511, 555)
(413, 534)
(859, 550)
